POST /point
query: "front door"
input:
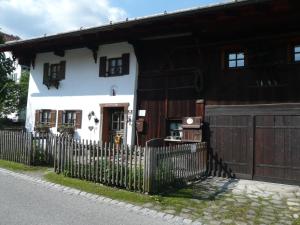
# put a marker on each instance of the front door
(117, 126)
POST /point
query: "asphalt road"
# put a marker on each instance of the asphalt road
(23, 202)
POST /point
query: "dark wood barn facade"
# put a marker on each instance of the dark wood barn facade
(237, 65)
(252, 111)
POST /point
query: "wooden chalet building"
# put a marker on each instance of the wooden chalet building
(236, 65)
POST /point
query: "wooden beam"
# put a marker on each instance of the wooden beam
(94, 50)
(59, 52)
(32, 60)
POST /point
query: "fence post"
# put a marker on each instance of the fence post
(30, 150)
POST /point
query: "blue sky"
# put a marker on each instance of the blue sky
(137, 8)
(33, 18)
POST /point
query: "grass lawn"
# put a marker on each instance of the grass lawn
(18, 167)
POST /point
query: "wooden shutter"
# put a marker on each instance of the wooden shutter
(125, 63)
(52, 118)
(102, 71)
(46, 74)
(62, 72)
(37, 117)
(59, 118)
(78, 118)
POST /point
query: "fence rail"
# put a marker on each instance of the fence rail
(143, 169)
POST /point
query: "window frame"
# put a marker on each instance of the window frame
(65, 119)
(57, 71)
(296, 53)
(235, 60)
(178, 124)
(110, 67)
(48, 118)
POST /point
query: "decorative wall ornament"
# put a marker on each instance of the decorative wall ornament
(113, 90)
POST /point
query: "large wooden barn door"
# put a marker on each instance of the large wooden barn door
(231, 142)
(277, 148)
(264, 145)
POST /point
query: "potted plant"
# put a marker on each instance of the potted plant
(66, 130)
(42, 128)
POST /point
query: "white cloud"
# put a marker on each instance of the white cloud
(29, 18)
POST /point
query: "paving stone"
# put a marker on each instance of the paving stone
(170, 211)
(168, 216)
(185, 210)
(148, 205)
(227, 221)
(214, 222)
(187, 221)
(276, 202)
(240, 223)
(289, 203)
(185, 215)
(255, 204)
(294, 209)
(197, 223)
(285, 222)
(208, 218)
(229, 200)
(250, 217)
(251, 212)
(241, 200)
(264, 221)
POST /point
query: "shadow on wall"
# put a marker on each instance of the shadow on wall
(216, 166)
(111, 87)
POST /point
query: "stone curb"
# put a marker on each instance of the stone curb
(101, 199)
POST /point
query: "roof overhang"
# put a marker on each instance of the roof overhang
(205, 22)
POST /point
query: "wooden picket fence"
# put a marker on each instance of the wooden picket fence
(26, 148)
(169, 165)
(135, 168)
(142, 169)
(120, 166)
(16, 147)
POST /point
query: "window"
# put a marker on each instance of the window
(69, 118)
(236, 60)
(297, 53)
(175, 129)
(115, 66)
(117, 120)
(45, 117)
(54, 71)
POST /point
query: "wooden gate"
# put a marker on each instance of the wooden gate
(255, 143)
(277, 148)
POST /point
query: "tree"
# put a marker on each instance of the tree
(9, 92)
(23, 90)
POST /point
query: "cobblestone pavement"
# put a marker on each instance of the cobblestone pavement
(219, 201)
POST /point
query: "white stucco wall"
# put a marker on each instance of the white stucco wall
(82, 88)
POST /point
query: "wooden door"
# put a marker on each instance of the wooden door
(277, 148)
(117, 125)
